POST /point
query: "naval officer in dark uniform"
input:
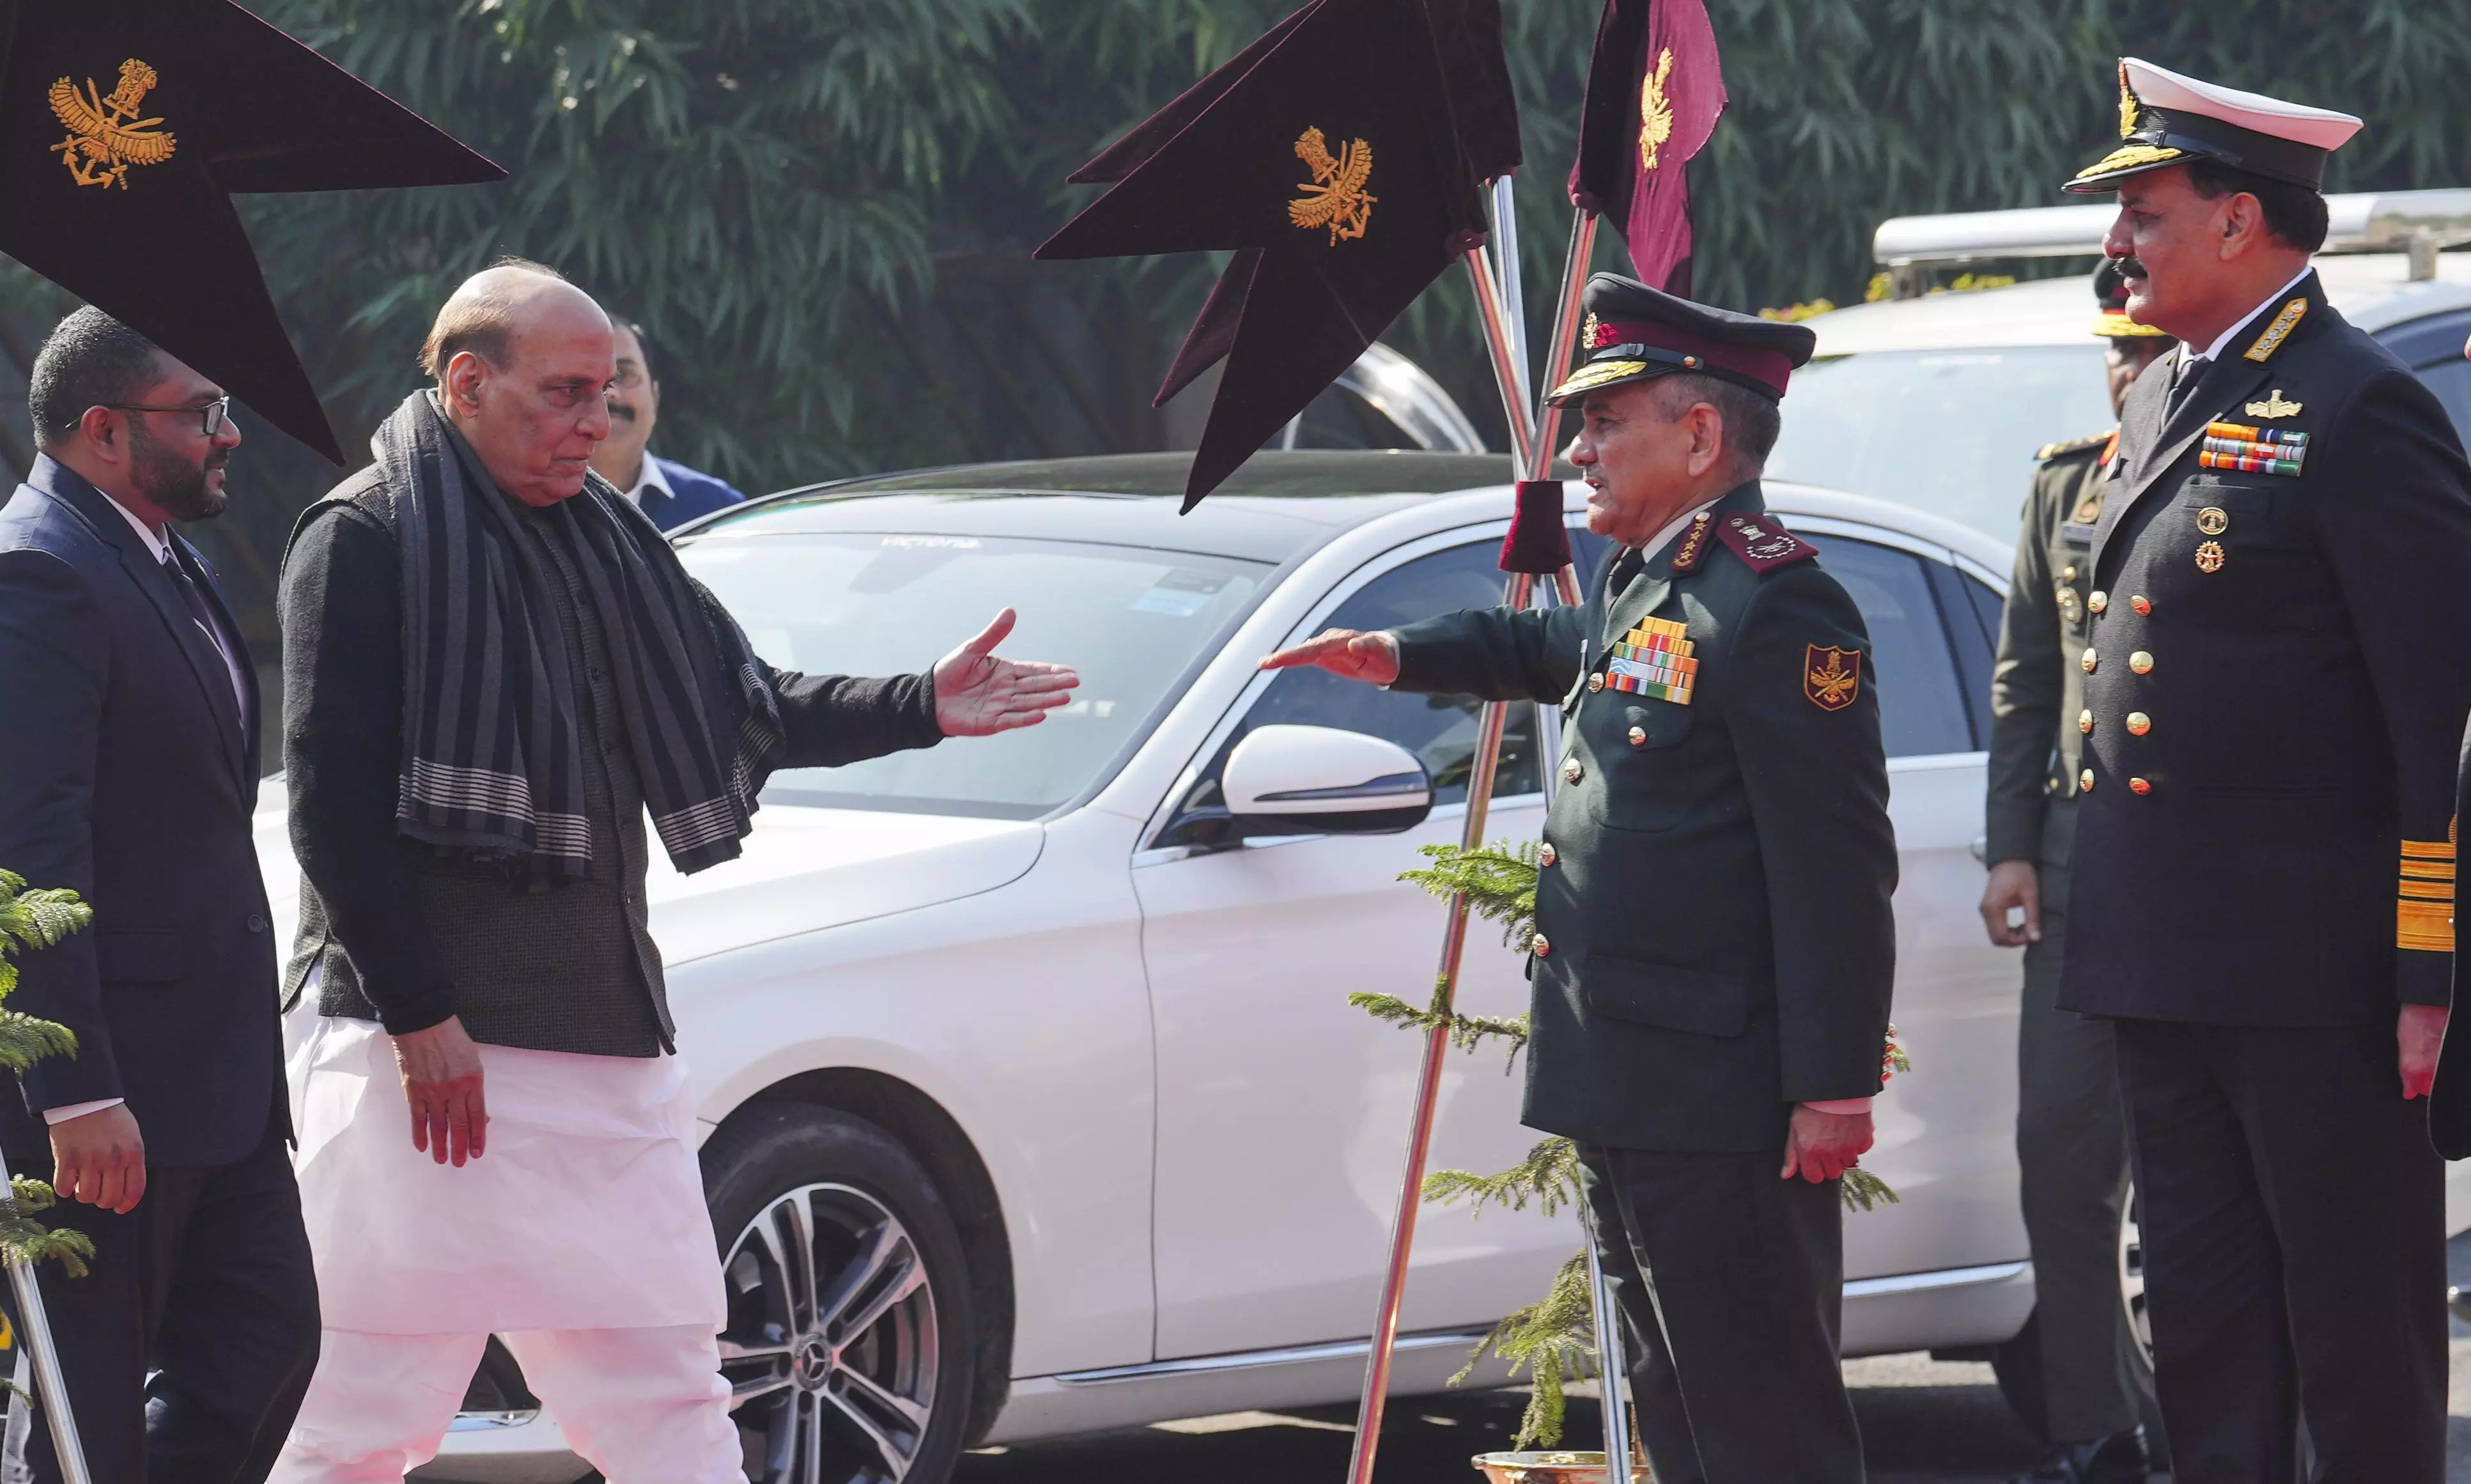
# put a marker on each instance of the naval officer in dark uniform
(2276, 674)
(1714, 945)
(2077, 1357)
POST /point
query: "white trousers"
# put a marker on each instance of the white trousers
(644, 1406)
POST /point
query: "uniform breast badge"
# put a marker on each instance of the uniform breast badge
(2231, 445)
(1830, 676)
(1336, 197)
(105, 135)
(2273, 407)
(1654, 660)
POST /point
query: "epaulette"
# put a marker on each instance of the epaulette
(2070, 446)
(1762, 543)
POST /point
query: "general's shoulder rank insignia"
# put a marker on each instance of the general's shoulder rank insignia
(1762, 543)
(105, 135)
(1831, 676)
(1694, 544)
(2277, 332)
(1336, 197)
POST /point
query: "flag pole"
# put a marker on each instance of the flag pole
(1501, 337)
(51, 1386)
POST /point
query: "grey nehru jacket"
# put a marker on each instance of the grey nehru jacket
(410, 937)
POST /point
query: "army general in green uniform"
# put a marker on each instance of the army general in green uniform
(1714, 946)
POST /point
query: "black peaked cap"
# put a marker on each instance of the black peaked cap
(1634, 332)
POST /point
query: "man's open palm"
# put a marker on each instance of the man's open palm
(977, 693)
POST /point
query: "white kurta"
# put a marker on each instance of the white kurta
(586, 1212)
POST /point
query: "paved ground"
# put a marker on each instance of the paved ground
(1923, 1422)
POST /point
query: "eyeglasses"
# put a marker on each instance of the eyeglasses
(211, 416)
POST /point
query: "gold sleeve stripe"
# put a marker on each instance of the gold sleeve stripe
(2425, 925)
(2428, 870)
(2433, 891)
(2428, 850)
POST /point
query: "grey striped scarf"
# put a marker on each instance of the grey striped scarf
(492, 749)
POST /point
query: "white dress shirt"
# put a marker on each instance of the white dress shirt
(650, 477)
(2190, 365)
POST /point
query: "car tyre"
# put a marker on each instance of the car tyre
(849, 1341)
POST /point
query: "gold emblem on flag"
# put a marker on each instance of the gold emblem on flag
(105, 135)
(1336, 197)
(2273, 407)
(1655, 111)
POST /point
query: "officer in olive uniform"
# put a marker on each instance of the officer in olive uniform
(2074, 1371)
(1715, 947)
(2277, 668)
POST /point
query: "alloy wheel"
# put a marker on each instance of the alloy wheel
(831, 1345)
(2132, 1280)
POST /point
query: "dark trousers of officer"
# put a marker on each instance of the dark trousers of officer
(1730, 1283)
(208, 1280)
(2293, 1227)
(2072, 1157)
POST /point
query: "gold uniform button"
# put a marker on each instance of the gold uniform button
(2139, 785)
(2098, 601)
(2143, 606)
(1596, 682)
(2089, 661)
(2213, 520)
(2141, 662)
(1572, 772)
(2084, 722)
(1639, 737)
(1539, 947)
(2069, 575)
(1544, 855)
(2085, 781)
(2139, 723)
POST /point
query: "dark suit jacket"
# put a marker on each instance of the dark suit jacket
(692, 493)
(128, 774)
(1720, 943)
(2291, 698)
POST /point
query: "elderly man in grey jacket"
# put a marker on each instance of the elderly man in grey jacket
(496, 669)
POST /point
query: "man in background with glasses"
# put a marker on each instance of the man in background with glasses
(129, 768)
(665, 489)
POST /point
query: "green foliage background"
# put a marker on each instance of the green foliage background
(822, 209)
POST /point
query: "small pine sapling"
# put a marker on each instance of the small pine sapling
(1553, 1340)
(31, 920)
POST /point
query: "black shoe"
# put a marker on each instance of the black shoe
(2117, 1459)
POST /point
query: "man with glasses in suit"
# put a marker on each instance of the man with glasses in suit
(129, 768)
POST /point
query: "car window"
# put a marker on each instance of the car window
(1440, 730)
(1921, 701)
(2431, 346)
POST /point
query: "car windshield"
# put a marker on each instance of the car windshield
(1132, 621)
(1951, 431)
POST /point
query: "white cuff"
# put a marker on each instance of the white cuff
(68, 1111)
(1841, 1105)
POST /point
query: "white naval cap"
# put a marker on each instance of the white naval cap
(2168, 119)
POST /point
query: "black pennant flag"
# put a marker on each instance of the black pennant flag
(1338, 159)
(126, 125)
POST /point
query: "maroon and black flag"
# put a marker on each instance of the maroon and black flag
(1338, 159)
(126, 127)
(1654, 91)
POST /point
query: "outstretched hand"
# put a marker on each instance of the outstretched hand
(978, 694)
(1345, 653)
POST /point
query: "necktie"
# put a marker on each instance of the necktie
(1628, 565)
(2191, 371)
(196, 602)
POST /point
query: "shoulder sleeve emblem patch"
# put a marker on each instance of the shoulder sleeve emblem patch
(1830, 676)
(1761, 542)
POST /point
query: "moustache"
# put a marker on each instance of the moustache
(2130, 267)
(624, 412)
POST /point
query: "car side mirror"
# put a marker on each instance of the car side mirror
(1318, 779)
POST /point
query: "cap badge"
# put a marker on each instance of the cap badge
(1590, 333)
(2127, 103)
(1831, 677)
(1655, 111)
(2276, 333)
(2273, 407)
(1336, 197)
(105, 135)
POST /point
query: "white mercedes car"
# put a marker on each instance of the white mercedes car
(1033, 1101)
